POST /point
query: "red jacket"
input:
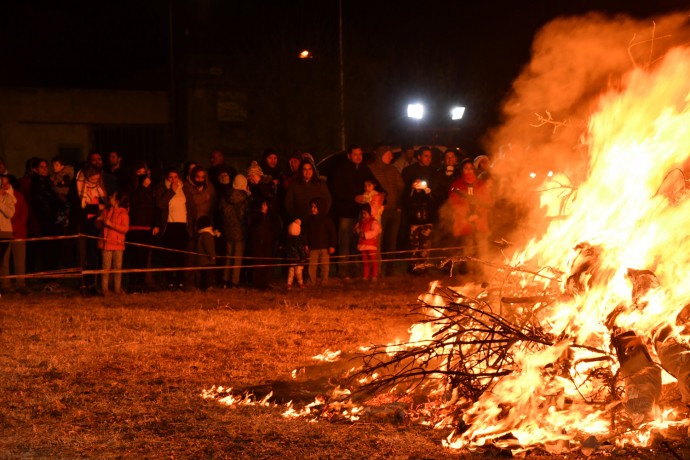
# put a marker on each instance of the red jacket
(369, 231)
(20, 217)
(469, 200)
(114, 235)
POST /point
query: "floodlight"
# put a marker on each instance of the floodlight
(456, 113)
(415, 111)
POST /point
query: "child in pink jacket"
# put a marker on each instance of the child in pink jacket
(114, 223)
(369, 230)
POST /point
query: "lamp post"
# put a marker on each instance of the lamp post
(343, 137)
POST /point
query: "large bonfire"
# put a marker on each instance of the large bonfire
(577, 334)
(571, 337)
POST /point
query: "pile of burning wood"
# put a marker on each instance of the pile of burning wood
(502, 374)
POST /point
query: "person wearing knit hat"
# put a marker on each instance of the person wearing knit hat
(295, 253)
(234, 210)
(254, 170)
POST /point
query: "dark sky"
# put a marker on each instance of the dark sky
(469, 51)
(120, 44)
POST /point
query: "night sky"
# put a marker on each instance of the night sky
(467, 52)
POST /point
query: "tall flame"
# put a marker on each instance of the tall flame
(631, 207)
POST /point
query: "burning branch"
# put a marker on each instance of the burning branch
(548, 120)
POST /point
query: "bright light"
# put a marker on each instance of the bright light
(306, 54)
(415, 111)
(456, 113)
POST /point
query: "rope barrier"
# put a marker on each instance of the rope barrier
(76, 272)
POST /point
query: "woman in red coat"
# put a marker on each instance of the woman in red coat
(470, 202)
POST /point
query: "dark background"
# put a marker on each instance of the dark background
(441, 52)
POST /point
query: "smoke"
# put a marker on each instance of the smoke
(545, 118)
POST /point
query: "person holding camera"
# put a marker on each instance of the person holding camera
(420, 209)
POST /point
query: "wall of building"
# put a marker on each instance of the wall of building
(45, 122)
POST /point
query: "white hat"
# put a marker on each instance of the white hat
(240, 182)
(295, 228)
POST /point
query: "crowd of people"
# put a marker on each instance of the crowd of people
(216, 227)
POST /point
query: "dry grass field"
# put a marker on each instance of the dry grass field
(122, 377)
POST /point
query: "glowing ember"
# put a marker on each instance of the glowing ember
(328, 356)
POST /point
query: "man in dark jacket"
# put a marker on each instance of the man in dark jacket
(347, 187)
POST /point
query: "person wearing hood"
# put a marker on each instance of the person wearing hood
(203, 192)
(305, 188)
(321, 237)
(392, 183)
(470, 203)
(234, 212)
(217, 160)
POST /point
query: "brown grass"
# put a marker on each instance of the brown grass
(122, 376)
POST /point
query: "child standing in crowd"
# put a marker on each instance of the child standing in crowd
(374, 197)
(369, 230)
(321, 238)
(205, 252)
(295, 253)
(234, 212)
(61, 176)
(114, 223)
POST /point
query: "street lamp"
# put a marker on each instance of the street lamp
(457, 112)
(415, 111)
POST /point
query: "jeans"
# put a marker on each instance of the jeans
(319, 258)
(233, 267)
(111, 259)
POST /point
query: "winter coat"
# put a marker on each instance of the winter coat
(391, 181)
(369, 230)
(46, 204)
(295, 249)
(7, 208)
(143, 214)
(85, 198)
(205, 199)
(205, 247)
(113, 235)
(21, 215)
(234, 211)
(419, 205)
(299, 195)
(345, 186)
(468, 200)
(163, 194)
(375, 200)
(261, 235)
(319, 230)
